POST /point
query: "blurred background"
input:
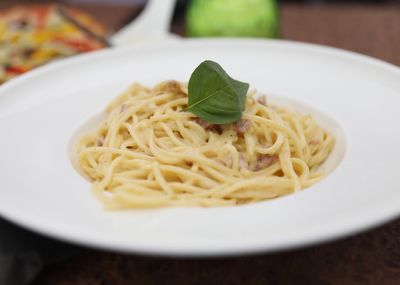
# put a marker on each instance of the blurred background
(125, 10)
(355, 25)
(30, 37)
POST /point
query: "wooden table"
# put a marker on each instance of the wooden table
(369, 258)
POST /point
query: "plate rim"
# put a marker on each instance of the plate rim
(380, 215)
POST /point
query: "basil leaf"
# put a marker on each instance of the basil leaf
(214, 96)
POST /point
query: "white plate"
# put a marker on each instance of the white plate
(356, 97)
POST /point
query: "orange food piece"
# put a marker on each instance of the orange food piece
(36, 34)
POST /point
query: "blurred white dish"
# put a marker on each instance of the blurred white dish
(356, 97)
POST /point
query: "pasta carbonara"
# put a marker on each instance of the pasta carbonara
(150, 152)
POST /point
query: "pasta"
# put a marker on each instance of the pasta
(150, 152)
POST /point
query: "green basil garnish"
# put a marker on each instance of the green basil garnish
(214, 96)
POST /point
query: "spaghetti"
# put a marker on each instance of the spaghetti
(150, 152)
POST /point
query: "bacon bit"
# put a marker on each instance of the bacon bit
(100, 141)
(262, 100)
(242, 126)
(243, 163)
(314, 141)
(265, 160)
(208, 126)
(123, 108)
(228, 162)
(172, 86)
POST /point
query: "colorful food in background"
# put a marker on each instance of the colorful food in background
(232, 18)
(33, 35)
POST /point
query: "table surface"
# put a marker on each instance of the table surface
(368, 258)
